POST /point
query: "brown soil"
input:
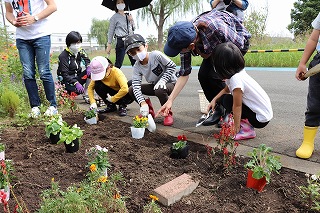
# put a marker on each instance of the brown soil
(145, 165)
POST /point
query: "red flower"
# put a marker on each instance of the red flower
(225, 151)
(182, 138)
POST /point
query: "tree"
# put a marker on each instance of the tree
(99, 30)
(160, 10)
(304, 12)
(255, 23)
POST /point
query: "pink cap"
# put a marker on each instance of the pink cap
(99, 65)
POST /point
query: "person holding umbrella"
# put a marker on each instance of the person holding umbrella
(121, 25)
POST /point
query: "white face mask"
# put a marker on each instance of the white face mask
(121, 6)
(75, 48)
(140, 56)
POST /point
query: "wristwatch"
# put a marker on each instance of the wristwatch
(36, 18)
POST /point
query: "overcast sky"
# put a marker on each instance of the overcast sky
(77, 15)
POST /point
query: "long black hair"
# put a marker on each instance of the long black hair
(227, 60)
(72, 38)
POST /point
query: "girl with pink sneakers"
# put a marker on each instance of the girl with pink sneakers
(242, 96)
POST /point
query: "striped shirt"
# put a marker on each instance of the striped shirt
(159, 66)
(216, 27)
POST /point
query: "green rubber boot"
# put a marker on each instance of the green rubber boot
(307, 146)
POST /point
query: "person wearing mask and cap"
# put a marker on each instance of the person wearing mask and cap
(69, 66)
(110, 84)
(159, 72)
(200, 37)
(121, 25)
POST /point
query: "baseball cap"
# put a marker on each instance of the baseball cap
(98, 65)
(180, 36)
(132, 41)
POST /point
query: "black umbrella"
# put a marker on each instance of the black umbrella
(130, 4)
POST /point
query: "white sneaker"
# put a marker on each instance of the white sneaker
(35, 112)
(52, 110)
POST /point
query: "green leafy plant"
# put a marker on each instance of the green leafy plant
(9, 101)
(90, 113)
(54, 125)
(263, 163)
(311, 193)
(225, 145)
(2, 147)
(140, 121)
(182, 142)
(152, 207)
(69, 134)
(98, 158)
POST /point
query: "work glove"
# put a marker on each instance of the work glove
(144, 110)
(88, 71)
(93, 106)
(109, 97)
(160, 84)
(79, 88)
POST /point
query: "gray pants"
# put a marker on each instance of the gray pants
(147, 89)
(313, 100)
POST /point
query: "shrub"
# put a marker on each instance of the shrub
(9, 102)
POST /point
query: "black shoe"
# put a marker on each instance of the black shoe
(122, 110)
(215, 117)
(109, 108)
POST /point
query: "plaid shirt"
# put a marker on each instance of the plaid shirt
(216, 27)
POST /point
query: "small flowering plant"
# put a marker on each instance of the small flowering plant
(311, 193)
(98, 159)
(5, 173)
(53, 126)
(140, 121)
(152, 207)
(182, 142)
(225, 145)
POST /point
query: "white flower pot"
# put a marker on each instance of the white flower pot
(6, 190)
(2, 155)
(90, 121)
(137, 133)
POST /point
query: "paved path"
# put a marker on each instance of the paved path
(283, 133)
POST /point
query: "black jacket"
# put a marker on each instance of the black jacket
(69, 66)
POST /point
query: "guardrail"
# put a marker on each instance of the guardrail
(275, 50)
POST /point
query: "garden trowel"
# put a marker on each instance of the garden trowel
(204, 117)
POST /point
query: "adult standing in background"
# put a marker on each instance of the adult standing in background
(33, 42)
(121, 25)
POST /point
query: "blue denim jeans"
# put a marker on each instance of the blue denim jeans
(31, 51)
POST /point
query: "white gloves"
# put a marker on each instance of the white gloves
(160, 84)
(144, 110)
(93, 106)
(109, 97)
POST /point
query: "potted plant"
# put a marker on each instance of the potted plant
(53, 128)
(139, 124)
(260, 167)
(71, 137)
(2, 148)
(5, 178)
(91, 116)
(180, 149)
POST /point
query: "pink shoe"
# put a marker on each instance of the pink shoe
(246, 131)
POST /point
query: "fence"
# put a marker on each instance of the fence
(275, 50)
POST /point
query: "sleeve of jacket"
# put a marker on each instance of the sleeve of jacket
(63, 68)
(123, 83)
(85, 58)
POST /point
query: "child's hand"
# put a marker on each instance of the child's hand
(301, 70)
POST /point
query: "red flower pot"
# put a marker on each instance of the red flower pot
(257, 184)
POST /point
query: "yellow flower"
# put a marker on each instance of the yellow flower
(102, 179)
(79, 190)
(93, 168)
(52, 179)
(116, 196)
(153, 197)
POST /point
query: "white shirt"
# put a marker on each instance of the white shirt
(36, 30)
(253, 95)
(316, 25)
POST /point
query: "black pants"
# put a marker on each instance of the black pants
(82, 78)
(312, 115)
(102, 90)
(227, 102)
(120, 53)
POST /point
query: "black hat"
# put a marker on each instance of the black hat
(132, 41)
